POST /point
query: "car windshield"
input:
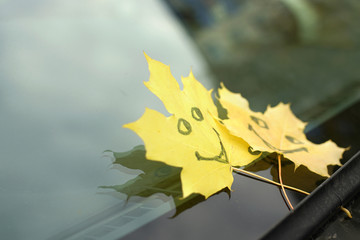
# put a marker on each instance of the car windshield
(72, 75)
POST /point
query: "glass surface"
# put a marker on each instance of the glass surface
(72, 74)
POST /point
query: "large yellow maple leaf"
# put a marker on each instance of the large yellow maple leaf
(191, 138)
(278, 130)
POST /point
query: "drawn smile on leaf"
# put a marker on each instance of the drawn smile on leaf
(222, 157)
(261, 123)
(184, 128)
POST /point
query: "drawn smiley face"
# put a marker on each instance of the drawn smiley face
(184, 127)
(263, 125)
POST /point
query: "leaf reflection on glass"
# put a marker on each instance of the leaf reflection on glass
(301, 178)
(157, 177)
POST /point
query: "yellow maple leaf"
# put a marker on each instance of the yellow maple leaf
(191, 137)
(278, 130)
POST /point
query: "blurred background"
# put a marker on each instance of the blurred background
(72, 74)
(303, 52)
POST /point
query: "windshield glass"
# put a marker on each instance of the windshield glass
(72, 74)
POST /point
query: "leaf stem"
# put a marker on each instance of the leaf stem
(268, 180)
(242, 171)
(282, 185)
(347, 212)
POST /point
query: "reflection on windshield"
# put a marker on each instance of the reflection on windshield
(156, 177)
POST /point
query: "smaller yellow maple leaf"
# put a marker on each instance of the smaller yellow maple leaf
(278, 130)
(191, 138)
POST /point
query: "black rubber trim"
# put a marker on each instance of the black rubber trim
(311, 213)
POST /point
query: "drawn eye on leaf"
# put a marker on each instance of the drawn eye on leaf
(184, 127)
(293, 140)
(196, 114)
(261, 123)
